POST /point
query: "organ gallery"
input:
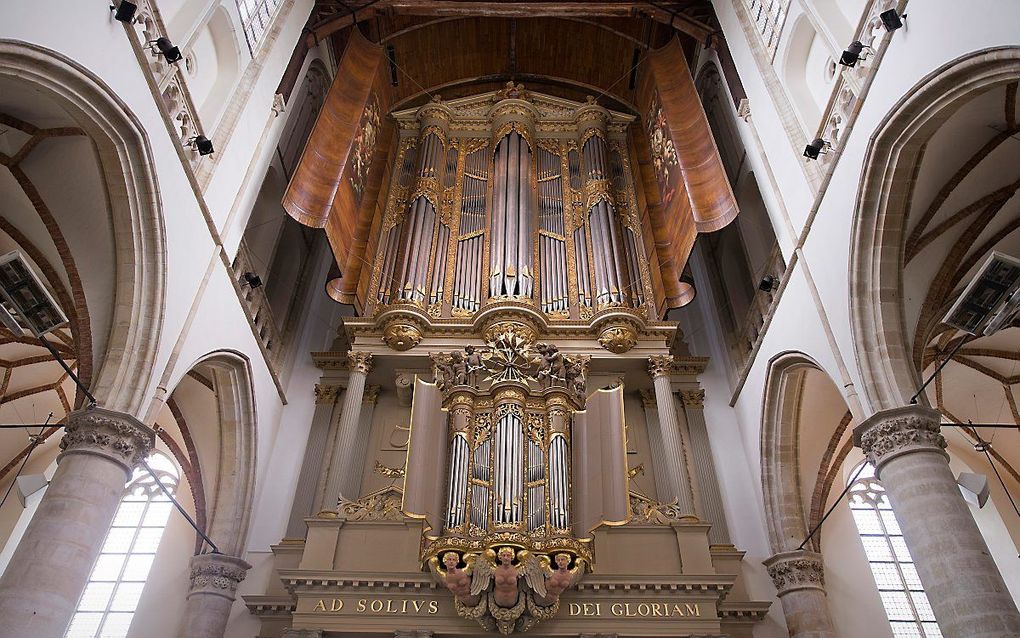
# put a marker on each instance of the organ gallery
(512, 431)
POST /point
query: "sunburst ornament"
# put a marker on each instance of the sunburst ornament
(510, 359)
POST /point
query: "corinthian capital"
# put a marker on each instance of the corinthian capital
(217, 574)
(326, 393)
(116, 436)
(892, 433)
(359, 362)
(799, 569)
(660, 365)
(693, 398)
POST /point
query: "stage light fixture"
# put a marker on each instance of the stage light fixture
(26, 302)
(768, 283)
(854, 53)
(891, 20)
(391, 58)
(251, 280)
(202, 144)
(167, 49)
(124, 11)
(816, 148)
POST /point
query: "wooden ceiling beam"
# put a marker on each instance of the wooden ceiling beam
(555, 9)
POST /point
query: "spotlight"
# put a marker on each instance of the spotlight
(251, 280)
(202, 144)
(167, 49)
(768, 283)
(891, 20)
(124, 11)
(816, 148)
(391, 57)
(853, 54)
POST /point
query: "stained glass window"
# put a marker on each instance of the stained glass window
(108, 603)
(903, 597)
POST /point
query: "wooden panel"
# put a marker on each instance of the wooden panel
(337, 181)
(686, 190)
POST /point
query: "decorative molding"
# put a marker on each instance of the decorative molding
(796, 570)
(650, 512)
(892, 433)
(118, 437)
(217, 575)
(384, 505)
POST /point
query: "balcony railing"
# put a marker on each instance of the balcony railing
(769, 17)
(257, 305)
(762, 304)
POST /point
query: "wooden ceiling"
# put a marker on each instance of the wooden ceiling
(458, 47)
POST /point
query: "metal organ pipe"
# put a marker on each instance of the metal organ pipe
(510, 257)
(458, 481)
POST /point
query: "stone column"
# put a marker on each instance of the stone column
(967, 593)
(704, 466)
(360, 364)
(665, 484)
(48, 571)
(311, 467)
(660, 367)
(352, 486)
(214, 580)
(800, 582)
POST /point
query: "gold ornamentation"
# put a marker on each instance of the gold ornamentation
(660, 365)
(371, 395)
(383, 505)
(693, 398)
(389, 472)
(618, 338)
(402, 334)
(649, 512)
(647, 398)
(359, 362)
(326, 393)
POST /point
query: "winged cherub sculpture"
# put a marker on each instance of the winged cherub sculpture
(451, 576)
(562, 578)
(496, 569)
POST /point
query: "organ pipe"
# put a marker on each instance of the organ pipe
(510, 267)
(456, 503)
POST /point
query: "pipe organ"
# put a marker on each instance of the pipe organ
(513, 198)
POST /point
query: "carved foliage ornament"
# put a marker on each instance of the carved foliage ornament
(799, 570)
(618, 339)
(217, 574)
(905, 432)
(116, 436)
(660, 365)
(359, 362)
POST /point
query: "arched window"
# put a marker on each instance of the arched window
(903, 597)
(115, 584)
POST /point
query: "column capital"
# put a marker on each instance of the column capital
(217, 575)
(359, 361)
(326, 393)
(647, 398)
(660, 365)
(693, 398)
(795, 570)
(116, 436)
(371, 395)
(891, 433)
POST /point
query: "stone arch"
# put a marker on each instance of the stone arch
(232, 485)
(125, 160)
(803, 48)
(881, 339)
(781, 441)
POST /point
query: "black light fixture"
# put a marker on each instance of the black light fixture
(854, 53)
(202, 144)
(891, 20)
(167, 49)
(251, 280)
(768, 283)
(816, 148)
(124, 11)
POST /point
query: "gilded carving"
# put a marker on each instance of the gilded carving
(384, 505)
(326, 393)
(402, 334)
(618, 339)
(359, 362)
(660, 365)
(693, 398)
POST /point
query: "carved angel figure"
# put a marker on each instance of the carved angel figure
(551, 366)
(474, 364)
(451, 576)
(563, 577)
